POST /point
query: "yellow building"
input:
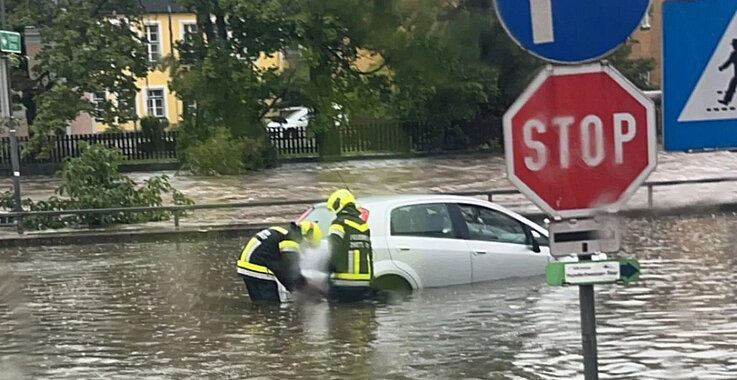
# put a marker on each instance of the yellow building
(649, 37)
(164, 24)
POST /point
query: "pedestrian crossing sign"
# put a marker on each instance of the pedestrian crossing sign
(700, 74)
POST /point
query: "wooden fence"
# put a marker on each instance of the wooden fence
(372, 137)
(133, 145)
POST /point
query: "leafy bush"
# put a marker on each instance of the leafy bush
(222, 154)
(153, 126)
(92, 181)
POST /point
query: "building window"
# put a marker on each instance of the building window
(189, 30)
(98, 103)
(155, 103)
(646, 20)
(153, 36)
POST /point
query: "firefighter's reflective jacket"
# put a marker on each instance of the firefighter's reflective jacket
(351, 256)
(273, 254)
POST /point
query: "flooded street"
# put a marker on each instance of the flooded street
(178, 310)
(465, 172)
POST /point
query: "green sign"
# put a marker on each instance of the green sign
(592, 272)
(10, 42)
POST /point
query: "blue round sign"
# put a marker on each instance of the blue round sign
(571, 31)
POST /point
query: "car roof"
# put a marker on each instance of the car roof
(386, 200)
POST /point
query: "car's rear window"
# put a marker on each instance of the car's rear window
(426, 220)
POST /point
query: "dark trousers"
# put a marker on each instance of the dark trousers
(349, 294)
(261, 290)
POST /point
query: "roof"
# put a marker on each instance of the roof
(162, 6)
(384, 199)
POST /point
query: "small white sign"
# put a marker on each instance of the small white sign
(591, 272)
(584, 236)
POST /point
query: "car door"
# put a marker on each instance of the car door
(424, 242)
(500, 245)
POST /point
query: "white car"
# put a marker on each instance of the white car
(423, 241)
(292, 118)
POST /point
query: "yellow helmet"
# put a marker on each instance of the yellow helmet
(339, 199)
(311, 233)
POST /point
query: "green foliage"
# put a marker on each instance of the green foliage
(635, 69)
(85, 50)
(153, 126)
(92, 181)
(222, 154)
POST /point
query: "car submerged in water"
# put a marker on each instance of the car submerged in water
(424, 241)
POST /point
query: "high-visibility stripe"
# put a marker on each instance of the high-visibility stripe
(337, 229)
(254, 267)
(356, 261)
(351, 283)
(251, 273)
(281, 230)
(352, 276)
(250, 247)
(289, 246)
(362, 227)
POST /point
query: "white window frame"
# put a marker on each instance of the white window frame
(165, 106)
(646, 20)
(160, 42)
(183, 24)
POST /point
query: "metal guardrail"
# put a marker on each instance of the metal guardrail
(178, 210)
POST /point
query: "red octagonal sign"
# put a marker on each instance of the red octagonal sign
(580, 139)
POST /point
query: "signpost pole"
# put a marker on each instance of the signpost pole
(8, 116)
(588, 328)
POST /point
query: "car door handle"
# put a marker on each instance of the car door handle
(405, 249)
(480, 252)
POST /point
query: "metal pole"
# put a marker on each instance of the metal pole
(14, 159)
(649, 196)
(588, 328)
(15, 162)
(2, 14)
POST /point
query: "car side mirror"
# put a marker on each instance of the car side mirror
(532, 241)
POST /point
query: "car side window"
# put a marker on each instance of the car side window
(490, 225)
(542, 240)
(426, 220)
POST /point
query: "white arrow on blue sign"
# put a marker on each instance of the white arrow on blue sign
(571, 31)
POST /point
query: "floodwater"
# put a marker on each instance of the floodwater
(467, 172)
(178, 310)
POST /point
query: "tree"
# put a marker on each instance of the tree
(87, 48)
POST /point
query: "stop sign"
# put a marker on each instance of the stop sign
(580, 139)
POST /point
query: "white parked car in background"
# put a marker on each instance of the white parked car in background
(291, 119)
(424, 241)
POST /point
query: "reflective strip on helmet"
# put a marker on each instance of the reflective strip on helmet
(337, 229)
(259, 275)
(289, 246)
(361, 227)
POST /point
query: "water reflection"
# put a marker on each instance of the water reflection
(169, 310)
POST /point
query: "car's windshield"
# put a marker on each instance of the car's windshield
(320, 215)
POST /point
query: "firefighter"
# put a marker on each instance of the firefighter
(351, 256)
(269, 264)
